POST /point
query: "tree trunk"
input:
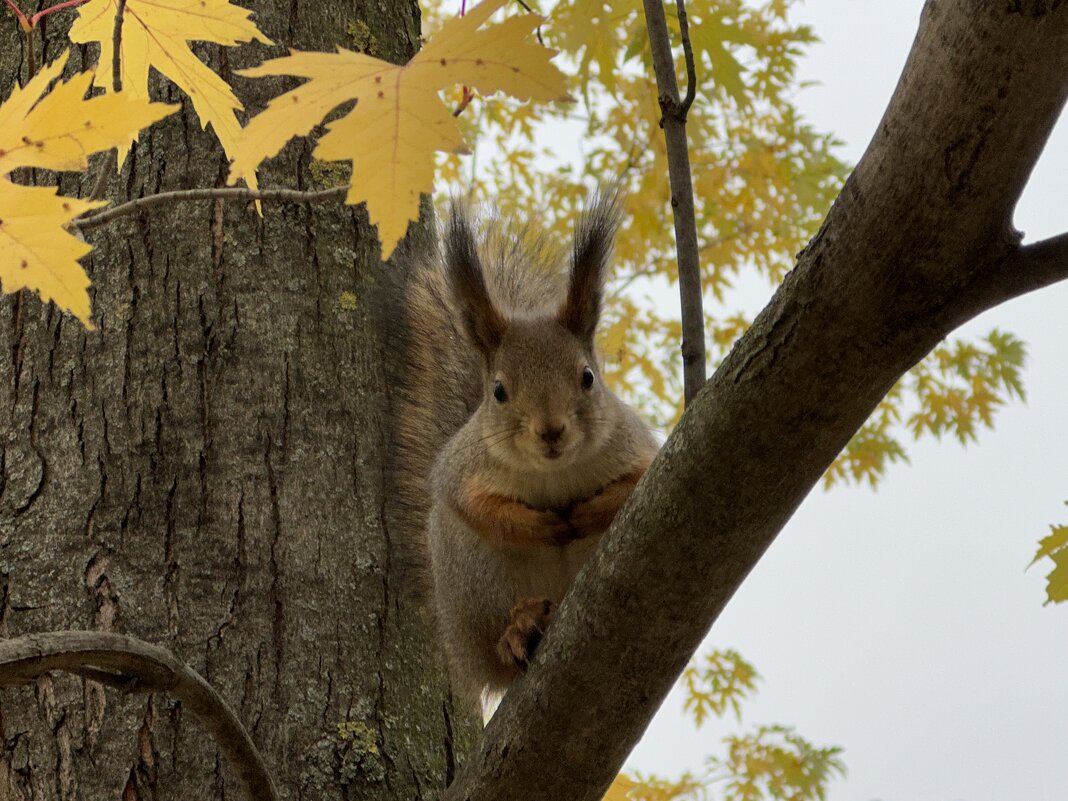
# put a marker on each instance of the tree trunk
(207, 471)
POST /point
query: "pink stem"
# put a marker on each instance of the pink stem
(57, 7)
(22, 17)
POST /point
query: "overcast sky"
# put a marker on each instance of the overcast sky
(901, 624)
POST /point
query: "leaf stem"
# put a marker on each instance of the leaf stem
(23, 22)
(116, 48)
(31, 61)
(51, 9)
(233, 193)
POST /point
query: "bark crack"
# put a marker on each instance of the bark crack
(42, 462)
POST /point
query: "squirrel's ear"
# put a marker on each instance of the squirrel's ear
(483, 323)
(594, 236)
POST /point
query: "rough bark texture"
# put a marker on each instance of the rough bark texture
(919, 241)
(206, 471)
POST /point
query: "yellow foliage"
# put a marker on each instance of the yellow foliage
(1055, 548)
(156, 33)
(400, 119)
(620, 789)
(56, 132)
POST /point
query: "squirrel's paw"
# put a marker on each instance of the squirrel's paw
(529, 620)
(557, 530)
(592, 517)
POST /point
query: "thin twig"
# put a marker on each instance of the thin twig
(238, 193)
(109, 162)
(465, 101)
(687, 49)
(530, 10)
(135, 665)
(116, 48)
(673, 122)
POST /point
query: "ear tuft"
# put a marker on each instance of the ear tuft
(463, 270)
(594, 237)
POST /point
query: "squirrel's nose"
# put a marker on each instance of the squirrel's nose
(551, 434)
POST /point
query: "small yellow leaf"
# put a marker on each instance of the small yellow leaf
(400, 119)
(57, 132)
(1055, 547)
(35, 253)
(156, 33)
(62, 130)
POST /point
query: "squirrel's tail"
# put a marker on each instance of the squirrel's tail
(438, 391)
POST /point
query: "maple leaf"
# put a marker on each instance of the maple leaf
(156, 33)
(399, 120)
(1055, 546)
(57, 132)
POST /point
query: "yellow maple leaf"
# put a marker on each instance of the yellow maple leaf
(156, 33)
(399, 120)
(57, 132)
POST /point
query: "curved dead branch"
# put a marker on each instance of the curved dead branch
(133, 665)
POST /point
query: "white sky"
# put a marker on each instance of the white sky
(901, 624)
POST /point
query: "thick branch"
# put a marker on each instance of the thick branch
(674, 124)
(1041, 264)
(134, 665)
(908, 251)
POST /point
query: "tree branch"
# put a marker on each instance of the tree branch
(922, 222)
(674, 124)
(1022, 270)
(134, 665)
(687, 51)
(185, 195)
(1042, 264)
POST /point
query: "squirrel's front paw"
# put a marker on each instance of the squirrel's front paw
(529, 620)
(554, 529)
(592, 517)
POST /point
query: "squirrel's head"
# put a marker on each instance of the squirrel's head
(543, 402)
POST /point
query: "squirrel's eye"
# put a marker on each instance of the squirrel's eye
(587, 378)
(499, 393)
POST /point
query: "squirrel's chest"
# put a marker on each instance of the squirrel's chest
(558, 490)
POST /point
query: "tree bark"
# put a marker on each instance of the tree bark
(919, 241)
(206, 471)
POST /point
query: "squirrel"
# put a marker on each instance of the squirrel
(515, 455)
